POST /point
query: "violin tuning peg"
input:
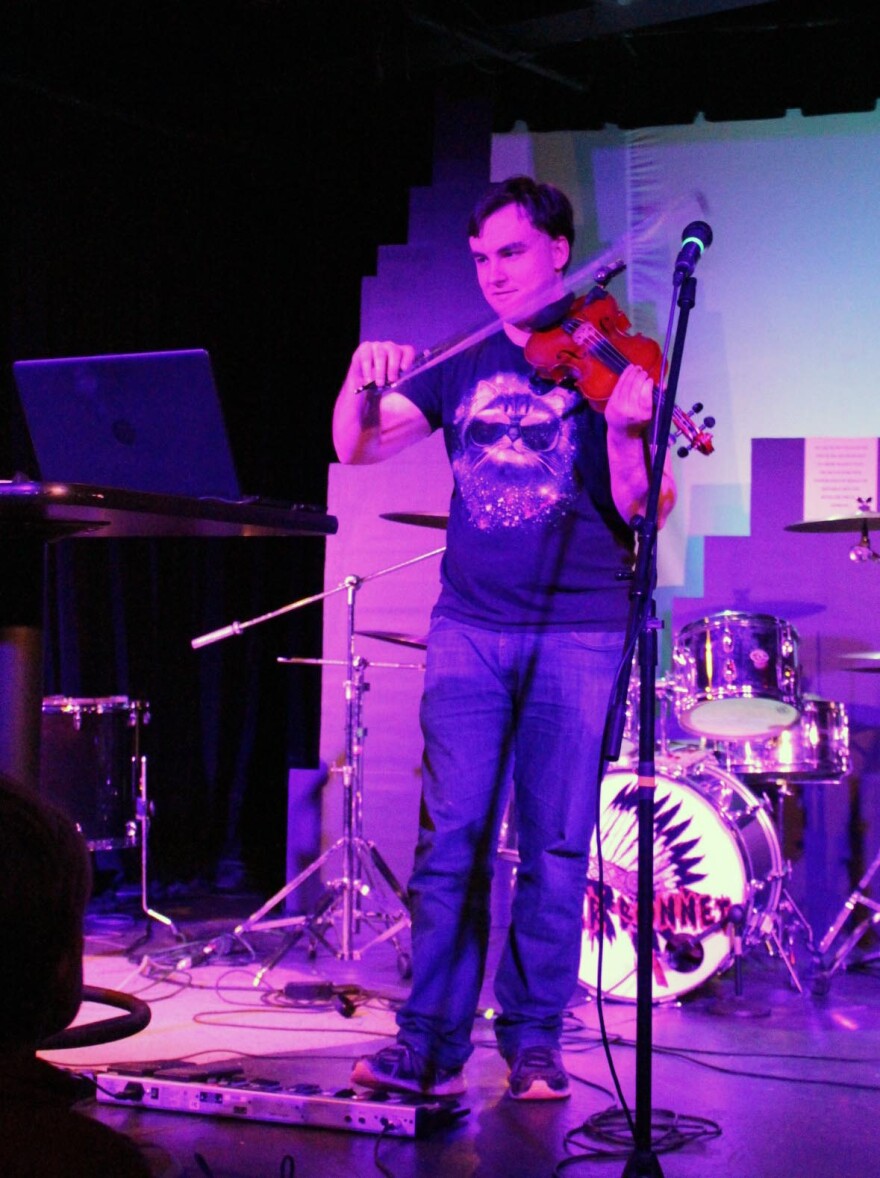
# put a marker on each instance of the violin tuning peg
(697, 407)
(683, 451)
(708, 422)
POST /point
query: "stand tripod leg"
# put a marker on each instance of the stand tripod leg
(255, 920)
(360, 859)
(314, 925)
(839, 959)
(773, 936)
(142, 815)
(825, 967)
(856, 897)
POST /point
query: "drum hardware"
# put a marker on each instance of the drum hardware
(840, 947)
(143, 815)
(93, 767)
(777, 930)
(814, 751)
(810, 751)
(738, 675)
(365, 873)
(738, 1004)
(864, 520)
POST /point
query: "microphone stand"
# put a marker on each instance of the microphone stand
(643, 1162)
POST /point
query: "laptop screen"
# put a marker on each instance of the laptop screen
(147, 421)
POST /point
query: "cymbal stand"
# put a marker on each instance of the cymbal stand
(143, 817)
(364, 870)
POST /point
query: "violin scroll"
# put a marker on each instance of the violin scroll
(697, 437)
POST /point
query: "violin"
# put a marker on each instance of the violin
(589, 350)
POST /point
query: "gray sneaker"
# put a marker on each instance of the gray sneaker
(400, 1069)
(536, 1073)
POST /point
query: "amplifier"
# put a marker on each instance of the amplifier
(237, 1097)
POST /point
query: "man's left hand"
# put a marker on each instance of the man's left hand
(631, 405)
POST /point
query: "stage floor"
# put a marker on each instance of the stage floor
(790, 1080)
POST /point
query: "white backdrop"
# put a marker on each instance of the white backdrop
(782, 343)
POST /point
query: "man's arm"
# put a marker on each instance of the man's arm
(628, 412)
(370, 421)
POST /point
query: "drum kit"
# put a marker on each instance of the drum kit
(720, 875)
(752, 737)
(718, 811)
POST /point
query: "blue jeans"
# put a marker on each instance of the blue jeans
(501, 706)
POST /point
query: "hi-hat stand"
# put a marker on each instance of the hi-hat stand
(365, 875)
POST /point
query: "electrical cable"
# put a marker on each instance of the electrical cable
(624, 666)
(608, 1136)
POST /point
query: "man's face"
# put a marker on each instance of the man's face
(515, 261)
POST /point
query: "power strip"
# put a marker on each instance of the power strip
(235, 1096)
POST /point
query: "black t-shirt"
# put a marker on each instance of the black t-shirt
(534, 538)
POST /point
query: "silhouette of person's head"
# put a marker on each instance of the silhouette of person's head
(45, 883)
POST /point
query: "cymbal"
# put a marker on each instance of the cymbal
(862, 660)
(424, 519)
(399, 639)
(839, 523)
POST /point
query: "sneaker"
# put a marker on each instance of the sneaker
(536, 1073)
(400, 1069)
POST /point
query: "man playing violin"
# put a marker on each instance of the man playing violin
(523, 645)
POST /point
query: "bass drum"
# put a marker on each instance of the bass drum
(715, 846)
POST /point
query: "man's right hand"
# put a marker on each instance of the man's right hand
(379, 363)
(371, 420)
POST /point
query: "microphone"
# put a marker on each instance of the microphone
(695, 238)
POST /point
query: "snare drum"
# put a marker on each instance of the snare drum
(89, 765)
(814, 749)
(715, 846)
(738, 675)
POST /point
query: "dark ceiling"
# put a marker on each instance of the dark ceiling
(242, 71)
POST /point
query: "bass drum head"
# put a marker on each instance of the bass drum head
(714, 847)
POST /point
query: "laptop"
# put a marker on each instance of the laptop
(147, 421)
